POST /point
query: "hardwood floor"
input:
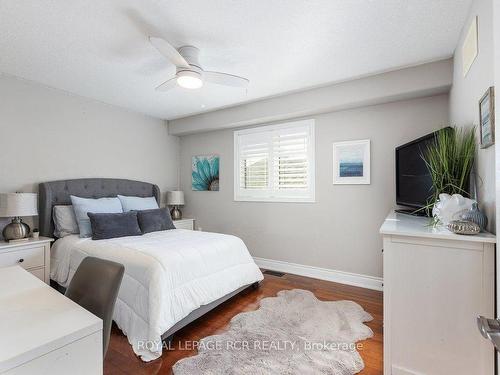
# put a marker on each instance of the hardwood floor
(121, 359)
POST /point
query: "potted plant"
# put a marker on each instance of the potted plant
(450, 159)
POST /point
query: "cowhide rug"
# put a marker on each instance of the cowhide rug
(293, 333)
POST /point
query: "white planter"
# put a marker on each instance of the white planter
(450, 207)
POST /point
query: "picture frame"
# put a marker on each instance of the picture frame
(470, 47)
(205, 172)
(351, 162)
(487, 118)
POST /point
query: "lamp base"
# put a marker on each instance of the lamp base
(176, 213)
(16, 230)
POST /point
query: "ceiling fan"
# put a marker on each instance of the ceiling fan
(189, 73)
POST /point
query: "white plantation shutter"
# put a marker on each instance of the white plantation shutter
(255, 154)
(291, 158)
(275, 163)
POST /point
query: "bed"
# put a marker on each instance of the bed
(171, 277)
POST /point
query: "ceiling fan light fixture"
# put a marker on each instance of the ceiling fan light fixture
(189, 80)
(189, 73)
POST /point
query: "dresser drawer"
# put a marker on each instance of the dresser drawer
(24, 257)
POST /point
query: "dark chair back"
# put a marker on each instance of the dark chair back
(95, 287)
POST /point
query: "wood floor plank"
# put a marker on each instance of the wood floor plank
(120, 358)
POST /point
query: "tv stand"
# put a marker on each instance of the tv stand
(412, 212)
(439, 281)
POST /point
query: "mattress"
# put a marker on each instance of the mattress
(168, 275)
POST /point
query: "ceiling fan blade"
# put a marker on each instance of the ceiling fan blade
(167, 85)
(169, 51)
(225, 79)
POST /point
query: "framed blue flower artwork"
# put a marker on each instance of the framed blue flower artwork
(205, 173)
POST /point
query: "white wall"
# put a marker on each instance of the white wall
(48, 134)
(496, 23)
(496, 39)
(340, 230)
(465, 94)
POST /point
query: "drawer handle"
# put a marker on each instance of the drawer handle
(21, 260)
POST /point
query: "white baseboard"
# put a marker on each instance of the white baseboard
(363, 281)
(396, 370)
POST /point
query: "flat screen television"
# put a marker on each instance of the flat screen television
(413, 180)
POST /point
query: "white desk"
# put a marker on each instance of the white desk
(43, 332)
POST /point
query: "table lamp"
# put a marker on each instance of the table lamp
(176, 199)
(16, 205)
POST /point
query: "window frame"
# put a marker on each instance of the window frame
(244, 195)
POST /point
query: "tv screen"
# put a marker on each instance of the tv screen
(413, 180)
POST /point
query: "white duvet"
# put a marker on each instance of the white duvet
(168, 274)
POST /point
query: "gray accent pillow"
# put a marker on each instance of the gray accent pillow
(64, 221)
(114, 225)
(155, 220)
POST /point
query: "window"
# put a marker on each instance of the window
(275, 163)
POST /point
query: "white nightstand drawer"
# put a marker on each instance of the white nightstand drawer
(184, 224)
(38, 272)
(25, 257)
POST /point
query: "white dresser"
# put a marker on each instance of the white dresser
(184, 224)
(32, 255)
(435, 285)
(43, 332)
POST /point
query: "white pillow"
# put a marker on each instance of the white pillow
(64, 221)
(137, 203)
(100, 205)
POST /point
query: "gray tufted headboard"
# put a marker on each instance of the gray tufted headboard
(57, 193)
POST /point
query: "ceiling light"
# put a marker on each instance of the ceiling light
(189, 80)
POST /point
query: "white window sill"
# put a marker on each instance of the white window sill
(274, 199)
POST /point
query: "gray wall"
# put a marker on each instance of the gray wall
(465, 95)
(340, 230)
(496, 31)
(47, 134)
(408, 83)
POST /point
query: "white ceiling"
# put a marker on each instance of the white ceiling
(99, 49)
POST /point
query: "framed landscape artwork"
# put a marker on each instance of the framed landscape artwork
(205, 173)
(487, 118)
(351, 162)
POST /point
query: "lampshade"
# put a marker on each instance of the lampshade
(175, 198)
(18, 204)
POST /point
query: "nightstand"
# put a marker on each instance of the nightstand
(184, 224)
(33, 255)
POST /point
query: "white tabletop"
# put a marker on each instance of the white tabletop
(36, 319)
(29, 241)
(416, 226)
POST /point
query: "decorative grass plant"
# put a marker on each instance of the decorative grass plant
(450, 160)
